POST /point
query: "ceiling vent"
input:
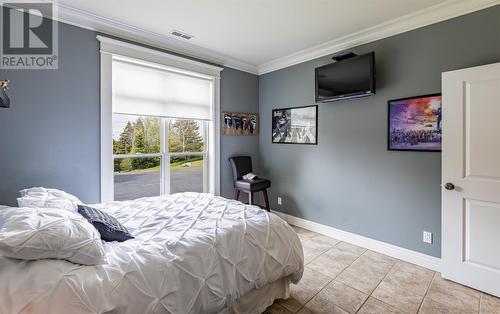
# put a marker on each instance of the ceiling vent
(181, 35)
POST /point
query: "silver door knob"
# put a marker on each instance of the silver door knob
(449, 186)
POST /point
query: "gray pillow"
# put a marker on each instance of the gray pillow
(107, 225)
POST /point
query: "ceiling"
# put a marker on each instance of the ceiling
(252, 32)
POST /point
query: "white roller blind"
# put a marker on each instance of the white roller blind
(142, 89)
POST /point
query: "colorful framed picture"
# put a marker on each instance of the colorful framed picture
(415, 123)
(297, 125)
(234, 123)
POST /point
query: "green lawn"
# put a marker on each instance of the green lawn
(195, 162)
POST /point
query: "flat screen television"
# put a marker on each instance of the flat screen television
(349, 78)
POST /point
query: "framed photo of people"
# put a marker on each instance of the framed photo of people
(415, 123)
(235, 123)
(298, 125)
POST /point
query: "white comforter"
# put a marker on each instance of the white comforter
(192, 253)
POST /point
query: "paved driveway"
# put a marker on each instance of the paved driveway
(134, 185)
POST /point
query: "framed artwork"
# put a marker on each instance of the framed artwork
(235, 123)
(415, 123)
(297, 125)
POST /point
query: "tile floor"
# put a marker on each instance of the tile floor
(343, 278)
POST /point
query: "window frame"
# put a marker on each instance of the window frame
(211, 150)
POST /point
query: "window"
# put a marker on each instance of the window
(154, 156)
(158, 125)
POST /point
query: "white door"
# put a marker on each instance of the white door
(471, 177)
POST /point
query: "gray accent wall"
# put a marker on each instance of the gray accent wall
(50, 134)
(239, 93)
(350, 180)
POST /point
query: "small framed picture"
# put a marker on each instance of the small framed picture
(415, 123)
(297, 125)
(234, 123)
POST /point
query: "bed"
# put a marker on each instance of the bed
(192, 253)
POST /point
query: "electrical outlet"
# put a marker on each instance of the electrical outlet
(279, 200)
(427, 237)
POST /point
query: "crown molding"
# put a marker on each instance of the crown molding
(440, 12)
(87, 20)
(437, 13)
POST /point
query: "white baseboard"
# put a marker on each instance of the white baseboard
(406, 255)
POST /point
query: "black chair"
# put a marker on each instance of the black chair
(242, 165)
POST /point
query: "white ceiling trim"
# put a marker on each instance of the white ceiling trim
(87, 20)
(430, 15)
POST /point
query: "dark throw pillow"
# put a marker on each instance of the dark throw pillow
(107, 225)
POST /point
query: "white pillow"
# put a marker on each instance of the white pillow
(48, 198)
(38, 233)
